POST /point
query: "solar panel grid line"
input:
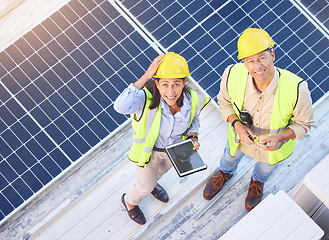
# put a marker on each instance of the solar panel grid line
(301, 7)
(14, 151)
(15, 190)
(49, 66)
(92, 63)
(223, 48)
(36, 122)
(154, 43)
(91, 78)
(148, 35)
(317, 5)
(151, 19)
(118, 43)
(193, 28)
(167, 21)
(321, 14)
(293, 61)
(57, 91)
(309, 77)
(200, 24)
(145, 9)
(104, 28)
(205, 33)
(318, 85)
(43, 128)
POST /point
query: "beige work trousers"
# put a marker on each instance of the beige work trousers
(147, 177)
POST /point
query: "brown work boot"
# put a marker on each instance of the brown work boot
(254, 195)
(215, 183)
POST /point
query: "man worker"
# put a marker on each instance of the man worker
(268, 109)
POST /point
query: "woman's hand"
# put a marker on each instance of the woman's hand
(196, 144)
(149, 72)
(194, 139)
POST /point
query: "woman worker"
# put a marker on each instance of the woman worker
(163, 112)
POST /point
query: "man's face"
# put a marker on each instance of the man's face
(260, 66)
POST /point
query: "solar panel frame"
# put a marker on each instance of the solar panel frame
(319, 9)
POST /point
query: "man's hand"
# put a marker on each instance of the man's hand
(244, 132)
(271, 142)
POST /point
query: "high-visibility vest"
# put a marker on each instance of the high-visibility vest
(284, 103)
(146, 129)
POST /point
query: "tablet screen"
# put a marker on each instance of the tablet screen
(184, 158)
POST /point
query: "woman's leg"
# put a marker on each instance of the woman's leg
(146, 179)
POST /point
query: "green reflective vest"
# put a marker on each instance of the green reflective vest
(146, 129)
(284, 103)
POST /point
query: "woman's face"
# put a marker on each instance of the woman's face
(170, 89)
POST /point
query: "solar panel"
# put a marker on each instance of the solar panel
(205, 32)
(58, 84)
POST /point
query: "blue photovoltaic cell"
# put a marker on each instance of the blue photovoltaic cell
(210, 41)
(58, 84)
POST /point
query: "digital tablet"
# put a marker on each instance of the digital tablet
(184, 159)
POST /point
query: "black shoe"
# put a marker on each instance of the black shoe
(135, 214)
(160, 193)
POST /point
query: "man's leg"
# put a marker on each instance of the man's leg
(261, 173)
(229, 164)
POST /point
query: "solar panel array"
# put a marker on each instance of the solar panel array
(205, 32)
(59, 80)
(58, 84)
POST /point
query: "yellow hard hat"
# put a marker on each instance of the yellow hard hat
(252, 41)
(173, 66)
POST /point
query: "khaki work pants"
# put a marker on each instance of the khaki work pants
(147, 177)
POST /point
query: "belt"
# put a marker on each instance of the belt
(158, 149)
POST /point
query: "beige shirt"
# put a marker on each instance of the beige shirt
(259, 105)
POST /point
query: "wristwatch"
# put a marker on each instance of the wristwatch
(234, 121)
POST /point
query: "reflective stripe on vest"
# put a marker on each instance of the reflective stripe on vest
(284, 103)
(147, 128)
